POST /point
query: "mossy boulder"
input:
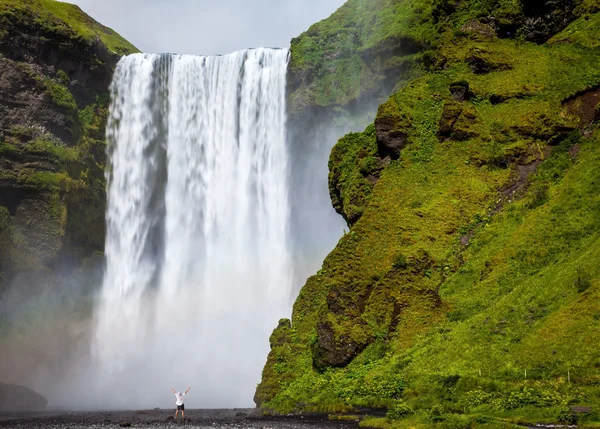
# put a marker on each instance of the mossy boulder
(354, 167)
(392, 127)
(20, 398)
(459, 121)
(483, 61)
(337, 345)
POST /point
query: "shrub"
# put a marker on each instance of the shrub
(583, 281)
(566, 417)
(539, 195)
(477, 397)
(436, 413)
(399, 410)
(400, 262)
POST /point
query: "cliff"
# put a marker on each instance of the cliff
(466, 291)
(56, 65)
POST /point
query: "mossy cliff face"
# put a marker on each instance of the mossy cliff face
(472, 256)
(56, 65)
(340, 70)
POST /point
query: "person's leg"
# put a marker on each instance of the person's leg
(176, 413)
(183, 414)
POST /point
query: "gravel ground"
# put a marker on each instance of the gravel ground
(204, 419)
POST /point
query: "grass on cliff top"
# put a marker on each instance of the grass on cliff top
(58, 16)
(339, 52)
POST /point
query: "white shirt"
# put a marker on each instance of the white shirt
(179, 397)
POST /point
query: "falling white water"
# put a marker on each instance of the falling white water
(198, 260)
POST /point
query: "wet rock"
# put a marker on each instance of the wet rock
(391, 134)
(460, 90)
(585, 106)
(336, 349)
(20, 398)
(544, 19)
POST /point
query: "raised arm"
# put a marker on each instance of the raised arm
(188, 390)
(173, 390)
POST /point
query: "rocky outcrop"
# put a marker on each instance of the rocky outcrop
(333, 350)
(20, 398)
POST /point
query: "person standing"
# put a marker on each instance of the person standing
(179, 403)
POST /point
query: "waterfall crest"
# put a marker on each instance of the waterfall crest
(198, 256)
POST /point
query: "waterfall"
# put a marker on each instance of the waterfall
(198, 256)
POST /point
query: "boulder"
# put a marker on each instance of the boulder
(20, 398)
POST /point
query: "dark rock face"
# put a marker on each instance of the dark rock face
(24, 102)
(88, 64)
(391, 138)
(335, 351)
(460, 90)
(545, 18)
(20, 398)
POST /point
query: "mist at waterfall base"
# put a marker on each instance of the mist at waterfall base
(218, 211)
(198, 256)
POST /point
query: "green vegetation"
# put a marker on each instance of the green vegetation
(352, 167)
(61, 96)
(56, 161)
(62, 18)
(466, 292)
(351, 53)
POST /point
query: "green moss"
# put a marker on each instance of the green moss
(582, 32)
(463, 262)
(353, 170)
(351, 53)
(61, 154)
(64, 18)
(7, 149)
(46, 180)
(60, 95)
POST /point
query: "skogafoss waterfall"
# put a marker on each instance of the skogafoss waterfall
(198, 257)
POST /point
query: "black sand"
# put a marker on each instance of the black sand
(206, 419)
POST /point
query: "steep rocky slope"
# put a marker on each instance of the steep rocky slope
(56, 65)
(466, 291)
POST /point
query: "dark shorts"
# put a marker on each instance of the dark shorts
(181, 407)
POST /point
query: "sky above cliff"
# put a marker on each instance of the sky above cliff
(208, 26)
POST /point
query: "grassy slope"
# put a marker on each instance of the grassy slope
(55, 16)
(348, 55)
(432, 312)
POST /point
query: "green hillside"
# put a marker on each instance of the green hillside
(466, 291)
(54, 16)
